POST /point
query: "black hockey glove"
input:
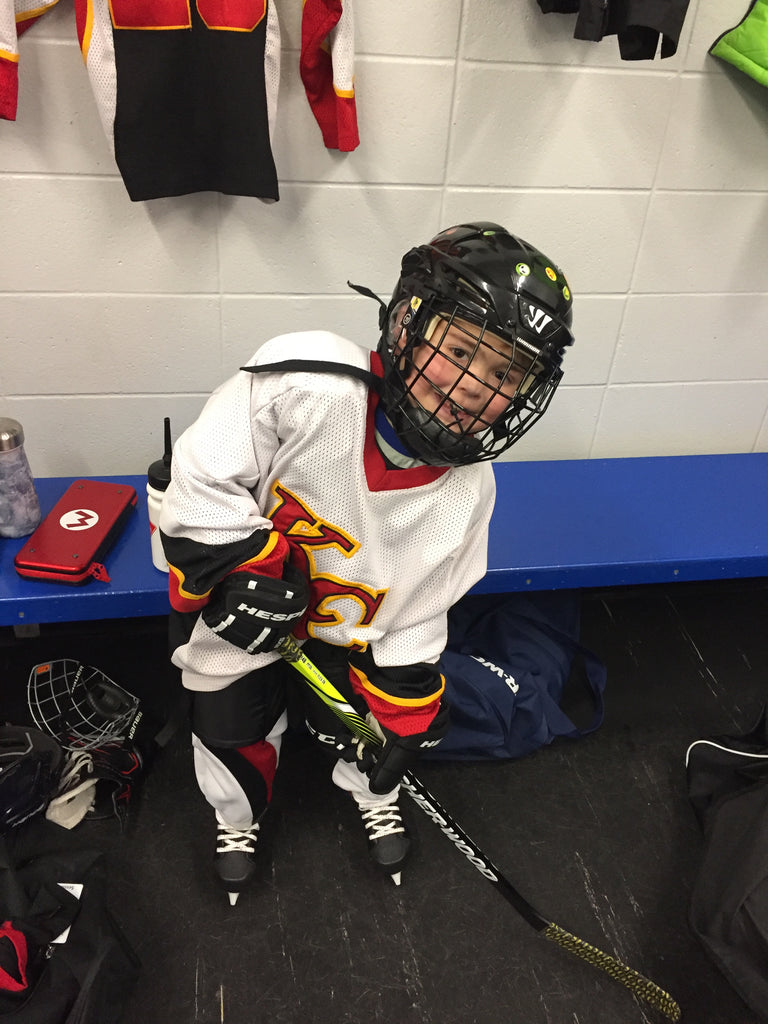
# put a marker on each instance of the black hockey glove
(255, 612)
(386, 767)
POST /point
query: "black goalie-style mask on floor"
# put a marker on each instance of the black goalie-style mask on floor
(472, 344)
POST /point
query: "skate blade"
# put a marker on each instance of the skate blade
(233, 896)
(396, 877)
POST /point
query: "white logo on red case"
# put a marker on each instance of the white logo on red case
(79, 519)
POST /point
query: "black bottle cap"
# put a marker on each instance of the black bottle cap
(159, 473)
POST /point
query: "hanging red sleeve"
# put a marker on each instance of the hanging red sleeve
(326, 66)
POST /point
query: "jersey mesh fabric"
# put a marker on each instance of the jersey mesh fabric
(216, 515)
(385, 565)
(272, 66)
(343, 53)
(95, 35)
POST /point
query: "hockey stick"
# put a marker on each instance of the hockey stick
(642, 987)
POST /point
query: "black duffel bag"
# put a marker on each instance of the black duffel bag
(63, 957)
(728, 789)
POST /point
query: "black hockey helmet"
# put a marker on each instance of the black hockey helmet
(491, 285)
(30, 765)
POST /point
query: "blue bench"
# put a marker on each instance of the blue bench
(557, 524)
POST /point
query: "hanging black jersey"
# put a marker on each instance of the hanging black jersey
(187, 89)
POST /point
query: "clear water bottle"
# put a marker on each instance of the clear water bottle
(158, 478)
(19, 504)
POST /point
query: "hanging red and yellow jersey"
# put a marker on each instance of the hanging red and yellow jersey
(187, 89)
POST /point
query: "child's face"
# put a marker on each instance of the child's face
(465, 382)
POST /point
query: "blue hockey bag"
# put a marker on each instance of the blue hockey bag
(506, 665)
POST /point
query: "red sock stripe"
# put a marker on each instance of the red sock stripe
(263, 757)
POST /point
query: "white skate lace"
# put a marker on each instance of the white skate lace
(383, 821)
(230, 839)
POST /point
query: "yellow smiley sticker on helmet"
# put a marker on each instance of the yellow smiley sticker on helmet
(550, 273)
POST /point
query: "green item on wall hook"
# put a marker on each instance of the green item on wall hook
(746, 44)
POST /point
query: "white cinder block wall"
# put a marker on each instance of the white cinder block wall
(645, 181)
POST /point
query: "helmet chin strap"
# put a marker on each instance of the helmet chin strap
(432, 441)
(392, 447)
(362, 290)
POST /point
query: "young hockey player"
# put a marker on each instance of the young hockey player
(344, 496)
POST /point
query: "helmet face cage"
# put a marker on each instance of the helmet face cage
(446, 357)
(473, 347)
(78, 705)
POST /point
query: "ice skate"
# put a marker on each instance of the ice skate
(388, 841)
(235, 856)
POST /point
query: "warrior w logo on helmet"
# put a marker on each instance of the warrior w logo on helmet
(537, 319)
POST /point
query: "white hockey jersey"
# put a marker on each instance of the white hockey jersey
(387, 551)
(187, 91)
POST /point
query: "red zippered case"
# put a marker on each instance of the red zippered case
(69, 544)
